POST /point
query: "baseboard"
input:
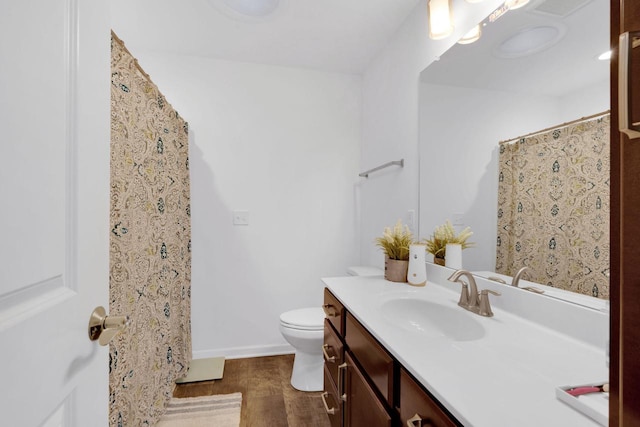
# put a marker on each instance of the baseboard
(244, 352)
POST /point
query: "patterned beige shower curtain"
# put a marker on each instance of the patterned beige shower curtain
(553, 207)
(150, 245)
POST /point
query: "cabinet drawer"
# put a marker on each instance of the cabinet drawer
(334, 311)
(362, 407)
(333, 351)
(417, 403)
(374, 359)
(331, 400)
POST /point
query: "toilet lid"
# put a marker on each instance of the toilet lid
(361, 270)
(304, 318)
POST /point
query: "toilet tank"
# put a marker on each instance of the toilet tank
(364, 271)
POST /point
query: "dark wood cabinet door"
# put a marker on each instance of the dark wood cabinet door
(362, 407)
(374, 359)
(333, 351)
(417, 408)
(334, 311)
(331, 400)
(624, 402)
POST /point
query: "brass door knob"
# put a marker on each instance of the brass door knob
(103, 328)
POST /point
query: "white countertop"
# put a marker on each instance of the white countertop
(504, 376)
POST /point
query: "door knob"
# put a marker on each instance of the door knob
(103, 328)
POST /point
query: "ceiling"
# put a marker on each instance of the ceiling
(345, 35)
(567, 66)
(329, 35)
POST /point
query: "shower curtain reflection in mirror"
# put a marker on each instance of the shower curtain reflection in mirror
(553, 206)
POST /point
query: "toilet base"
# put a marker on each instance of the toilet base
(307, 374)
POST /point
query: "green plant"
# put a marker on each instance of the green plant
(395, 241)
(445, 233)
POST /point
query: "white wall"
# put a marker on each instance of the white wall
(390, 121)
(585, 102)
(283, 144)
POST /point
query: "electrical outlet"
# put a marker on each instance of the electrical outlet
(240, 217)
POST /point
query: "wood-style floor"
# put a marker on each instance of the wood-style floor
(268, 400)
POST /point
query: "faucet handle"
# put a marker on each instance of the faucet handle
(485, 305)
(464, 295)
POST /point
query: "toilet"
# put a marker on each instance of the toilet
(303, 328)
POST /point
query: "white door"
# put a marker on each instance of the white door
(54, 210)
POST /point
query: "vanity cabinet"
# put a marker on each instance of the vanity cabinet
(417, 408)
(364, 385)
(333, 351)
(374, 359)
(334, 312)
(362, 407)
(332, 401)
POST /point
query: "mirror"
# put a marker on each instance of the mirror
(499, 88)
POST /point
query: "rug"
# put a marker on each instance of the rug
(206, 411)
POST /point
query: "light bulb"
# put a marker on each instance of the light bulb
(440, 19)
(471, 36)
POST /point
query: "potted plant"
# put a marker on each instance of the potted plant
(443, 235)
(395, 243)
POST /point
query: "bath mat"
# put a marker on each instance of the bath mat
(206, 411)
(203, 370)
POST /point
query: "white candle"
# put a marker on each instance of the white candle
(453, 256)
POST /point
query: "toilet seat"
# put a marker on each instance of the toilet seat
(306, 319)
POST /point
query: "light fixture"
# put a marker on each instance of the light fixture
(440, 19)
(529, 41)
(515, 4)
(471, 36)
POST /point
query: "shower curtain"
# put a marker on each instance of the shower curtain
(553, 206)
(150, 245)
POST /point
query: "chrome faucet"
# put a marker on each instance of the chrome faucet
(518, 276)
(469, 298)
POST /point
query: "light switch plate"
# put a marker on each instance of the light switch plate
(240, 217)
(410, 220)
(457, 219)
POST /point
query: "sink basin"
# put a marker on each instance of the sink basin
(432, 320)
